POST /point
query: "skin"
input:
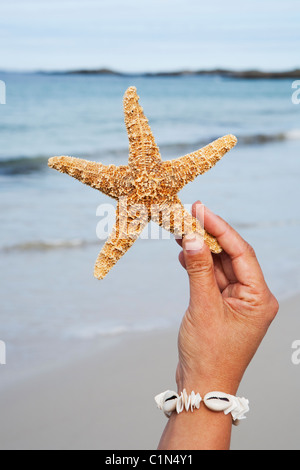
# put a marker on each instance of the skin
(229, 313)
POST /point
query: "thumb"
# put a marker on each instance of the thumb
(200, 267)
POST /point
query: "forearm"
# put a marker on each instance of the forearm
(229, 313)
(198, 430)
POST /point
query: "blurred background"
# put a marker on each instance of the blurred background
(52, 309)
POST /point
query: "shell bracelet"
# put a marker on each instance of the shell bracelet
(170, 401)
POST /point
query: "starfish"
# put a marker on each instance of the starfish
(145, 183)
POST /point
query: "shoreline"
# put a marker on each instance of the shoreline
(105, 398)
(225, 73)
(218, 72)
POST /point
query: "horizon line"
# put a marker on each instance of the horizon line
(228, 72)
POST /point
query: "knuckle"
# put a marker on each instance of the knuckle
(196, 268)
(272, 308)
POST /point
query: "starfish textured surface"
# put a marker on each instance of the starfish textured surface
(145, 183)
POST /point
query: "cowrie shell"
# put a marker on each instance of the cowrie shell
(217, 401)
(162, 397)
(169, 402)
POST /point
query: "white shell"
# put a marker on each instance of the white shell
(241, 406)
(195, 400)
(159, 400)
(187, 402)
(164, 403)
(170, 399)
(217, 401)
(180, 404)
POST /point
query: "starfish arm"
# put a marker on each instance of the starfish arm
(129, 225)
(187, 168)
(172, 216)
(107, 179)
(143, 151)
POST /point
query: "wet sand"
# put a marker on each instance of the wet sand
(105, 400)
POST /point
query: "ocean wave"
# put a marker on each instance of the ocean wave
(23, 165)
(92, 331)
(47, 245)
(58, 244)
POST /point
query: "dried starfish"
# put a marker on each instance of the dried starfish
(146, 182)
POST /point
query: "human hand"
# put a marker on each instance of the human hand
(230, 310)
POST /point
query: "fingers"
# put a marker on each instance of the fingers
(179, 240)
(242, 263)
(222, 279)
(198, 262)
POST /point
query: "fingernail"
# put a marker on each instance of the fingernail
(193, 243)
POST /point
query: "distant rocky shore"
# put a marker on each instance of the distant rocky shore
(250, 74)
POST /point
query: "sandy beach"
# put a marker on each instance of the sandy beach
(86, 358)
(104, 400)
(82, 359)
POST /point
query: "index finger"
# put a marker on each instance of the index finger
(243, 258)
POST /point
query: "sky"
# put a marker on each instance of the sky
(149, 35)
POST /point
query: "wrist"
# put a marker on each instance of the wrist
(205, 385)
(201, 430)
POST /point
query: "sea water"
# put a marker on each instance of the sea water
(48, 241)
